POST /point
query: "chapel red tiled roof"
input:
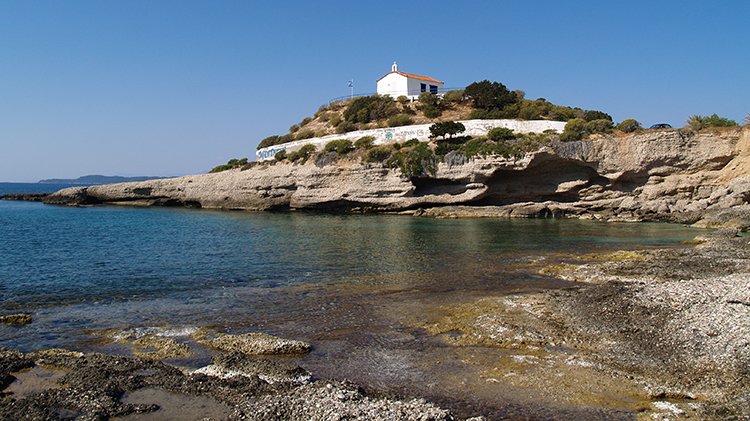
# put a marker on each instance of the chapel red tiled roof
(413, 76)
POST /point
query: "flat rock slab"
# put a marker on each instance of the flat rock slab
(259, 344)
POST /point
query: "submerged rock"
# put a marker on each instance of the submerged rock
(16, 319)
(258, 344)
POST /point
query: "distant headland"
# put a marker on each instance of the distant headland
(97, 179)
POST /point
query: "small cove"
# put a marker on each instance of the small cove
(360, 288)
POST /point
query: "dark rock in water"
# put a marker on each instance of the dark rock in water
(16, 319)
(28, 197)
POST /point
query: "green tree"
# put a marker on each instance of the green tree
(446, 128)
(488, 95)
(698, 122)
(629, 125)
(499, 134)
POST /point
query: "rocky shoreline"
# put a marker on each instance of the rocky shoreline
(653, 333)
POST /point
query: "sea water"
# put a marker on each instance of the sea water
(360, 288)
(53, 258)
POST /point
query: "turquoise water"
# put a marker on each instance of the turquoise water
(82, 269)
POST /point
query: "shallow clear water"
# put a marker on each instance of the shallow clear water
(103, 258)
(356, 286)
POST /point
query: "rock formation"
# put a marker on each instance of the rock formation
(673, 175)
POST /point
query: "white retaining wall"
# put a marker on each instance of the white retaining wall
(419, 131)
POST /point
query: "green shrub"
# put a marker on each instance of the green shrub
(578, 128)
(411, 142)
(561, 113)
(221, 168)
(231, 164)
(368, 108)
(408, 110)
(275, 140)
(396, 146)
(402, 99)
(500, 133)
(698, 122)
(340, 146)
(446, 145)
(629, 125)
(293, 128)
(302, 154)
(575, 129)
(364, 142)
(488, 95)
(446, 128)
(592, 115)
(454, 96)
(599, 126)
(415, 162)
(486, 114)
(280, 155)
(379, 153)
(431, 112)
(304, 134)
(477, 146)
(305, 121)
(334, 119)
(400, 120)
(345, 126)
(429, 99)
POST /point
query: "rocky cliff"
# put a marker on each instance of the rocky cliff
(653, 175)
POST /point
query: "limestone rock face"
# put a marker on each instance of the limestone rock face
(668, 174)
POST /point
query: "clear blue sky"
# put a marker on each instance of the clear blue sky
(175, 87)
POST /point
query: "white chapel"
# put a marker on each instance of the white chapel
(396, 83)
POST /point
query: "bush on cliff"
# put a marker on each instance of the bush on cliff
(499, 134)
(578, 129)
(274, 140)
(379, 153)
(231, 164)
(455, 96)
(280, 155)
(414, 162)
(364, 142)
(446, 128)
(629, 125)
(699, 122)
(369, 108)
(486, 95)
(400, 120)
(340, 146)
(302, 154)
(592, 115)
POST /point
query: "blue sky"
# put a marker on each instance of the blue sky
(175, 87)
